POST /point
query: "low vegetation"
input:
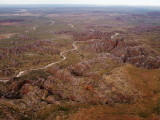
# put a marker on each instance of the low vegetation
(113, 74)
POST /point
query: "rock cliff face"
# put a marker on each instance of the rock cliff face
(129, 53)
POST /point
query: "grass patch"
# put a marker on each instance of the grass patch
(34, 75)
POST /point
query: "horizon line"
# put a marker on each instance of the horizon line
(84, 4)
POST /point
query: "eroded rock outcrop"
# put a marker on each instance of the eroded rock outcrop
(39, 46)
(128, 52)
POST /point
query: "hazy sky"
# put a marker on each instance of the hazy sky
(99, 2)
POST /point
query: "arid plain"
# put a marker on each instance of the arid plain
(74, 63)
